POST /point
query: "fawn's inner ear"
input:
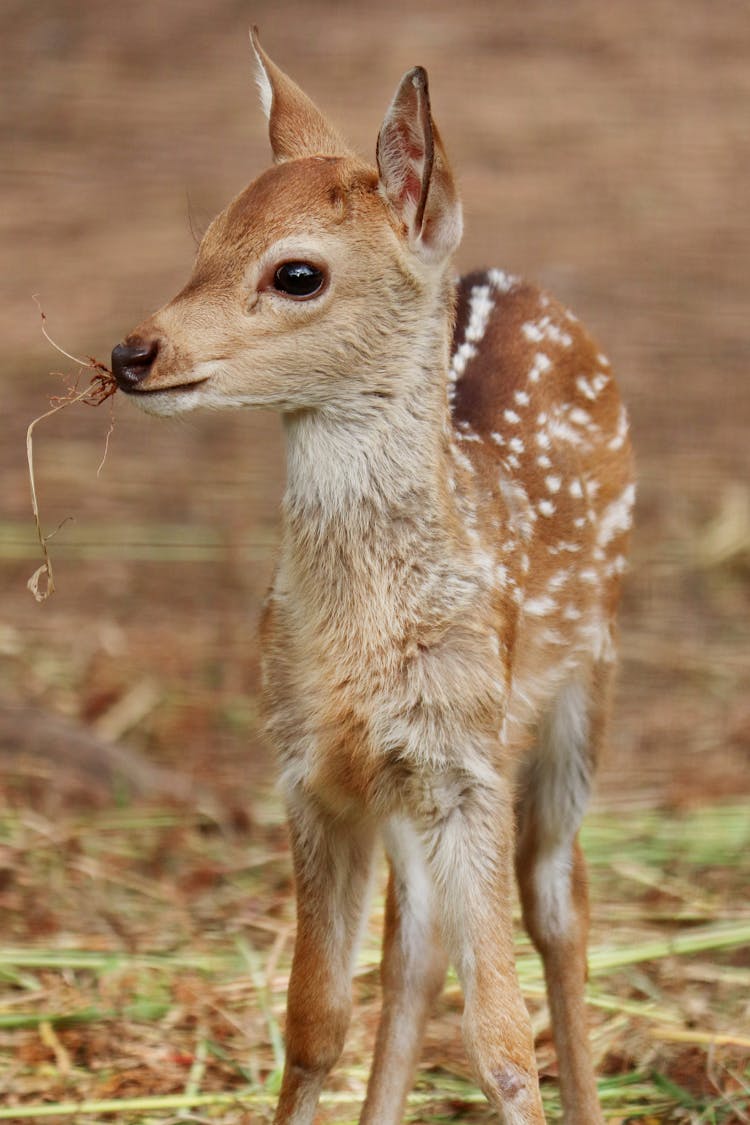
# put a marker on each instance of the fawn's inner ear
(296, 126)
(415, 176)
(406, 150)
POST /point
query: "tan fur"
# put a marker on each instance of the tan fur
(439, 635)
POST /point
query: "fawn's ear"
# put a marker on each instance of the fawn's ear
(415, 175)
(296, 127)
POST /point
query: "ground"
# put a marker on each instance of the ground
(145, 891)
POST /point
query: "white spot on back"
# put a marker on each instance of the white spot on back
(462, 460)
(540, 607)
(558, 579)
(501, 281)
(616, 519)
(463, 353)
(621, 432)
(591, 388)
(542, 363)
(480, 307)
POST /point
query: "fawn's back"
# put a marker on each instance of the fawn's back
(542, 448)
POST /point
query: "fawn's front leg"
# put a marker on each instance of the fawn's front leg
(332, 863)
(413, 972)
(468, 835)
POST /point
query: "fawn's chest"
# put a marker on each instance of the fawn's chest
(362, 702)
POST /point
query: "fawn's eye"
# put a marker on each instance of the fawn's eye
(298, 279)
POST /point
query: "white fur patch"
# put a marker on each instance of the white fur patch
(541, 364)
(561, 785)
(480, 307)
(617, 517)
(621, 433)
(552, 887)
(539, 607)
(413, 886)
(265, 90)
(501, 281)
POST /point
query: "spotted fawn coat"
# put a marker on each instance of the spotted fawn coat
(439, 636)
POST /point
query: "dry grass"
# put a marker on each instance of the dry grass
(101, 386)
(146, 951)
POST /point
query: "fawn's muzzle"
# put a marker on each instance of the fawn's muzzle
(132, 361)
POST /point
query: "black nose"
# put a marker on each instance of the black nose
(131, 362)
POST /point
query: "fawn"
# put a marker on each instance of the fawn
(439, 636)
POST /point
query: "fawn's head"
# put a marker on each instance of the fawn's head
(307, 289)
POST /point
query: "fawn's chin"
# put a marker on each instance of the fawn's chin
(170, 400)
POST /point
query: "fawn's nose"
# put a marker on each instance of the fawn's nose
(132, 360)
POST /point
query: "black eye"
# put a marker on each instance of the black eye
(298, 279)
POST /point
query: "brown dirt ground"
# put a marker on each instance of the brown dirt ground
(603, 150)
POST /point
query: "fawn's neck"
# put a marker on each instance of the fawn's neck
(381, 459)
(380, 442)
(369, 516)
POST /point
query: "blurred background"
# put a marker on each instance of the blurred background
(602, 150)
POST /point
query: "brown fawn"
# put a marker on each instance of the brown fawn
(439, 636)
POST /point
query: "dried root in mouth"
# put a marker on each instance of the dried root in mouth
(100, 387)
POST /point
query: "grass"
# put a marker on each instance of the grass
(146, 953)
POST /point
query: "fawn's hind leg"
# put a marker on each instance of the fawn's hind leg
(332, 865)
(413, 972)
(552, 880)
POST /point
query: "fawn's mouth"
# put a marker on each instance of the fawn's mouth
(179, 388)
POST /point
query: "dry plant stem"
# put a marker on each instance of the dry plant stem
(106, 440)
(101, 387)
(44, 572)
